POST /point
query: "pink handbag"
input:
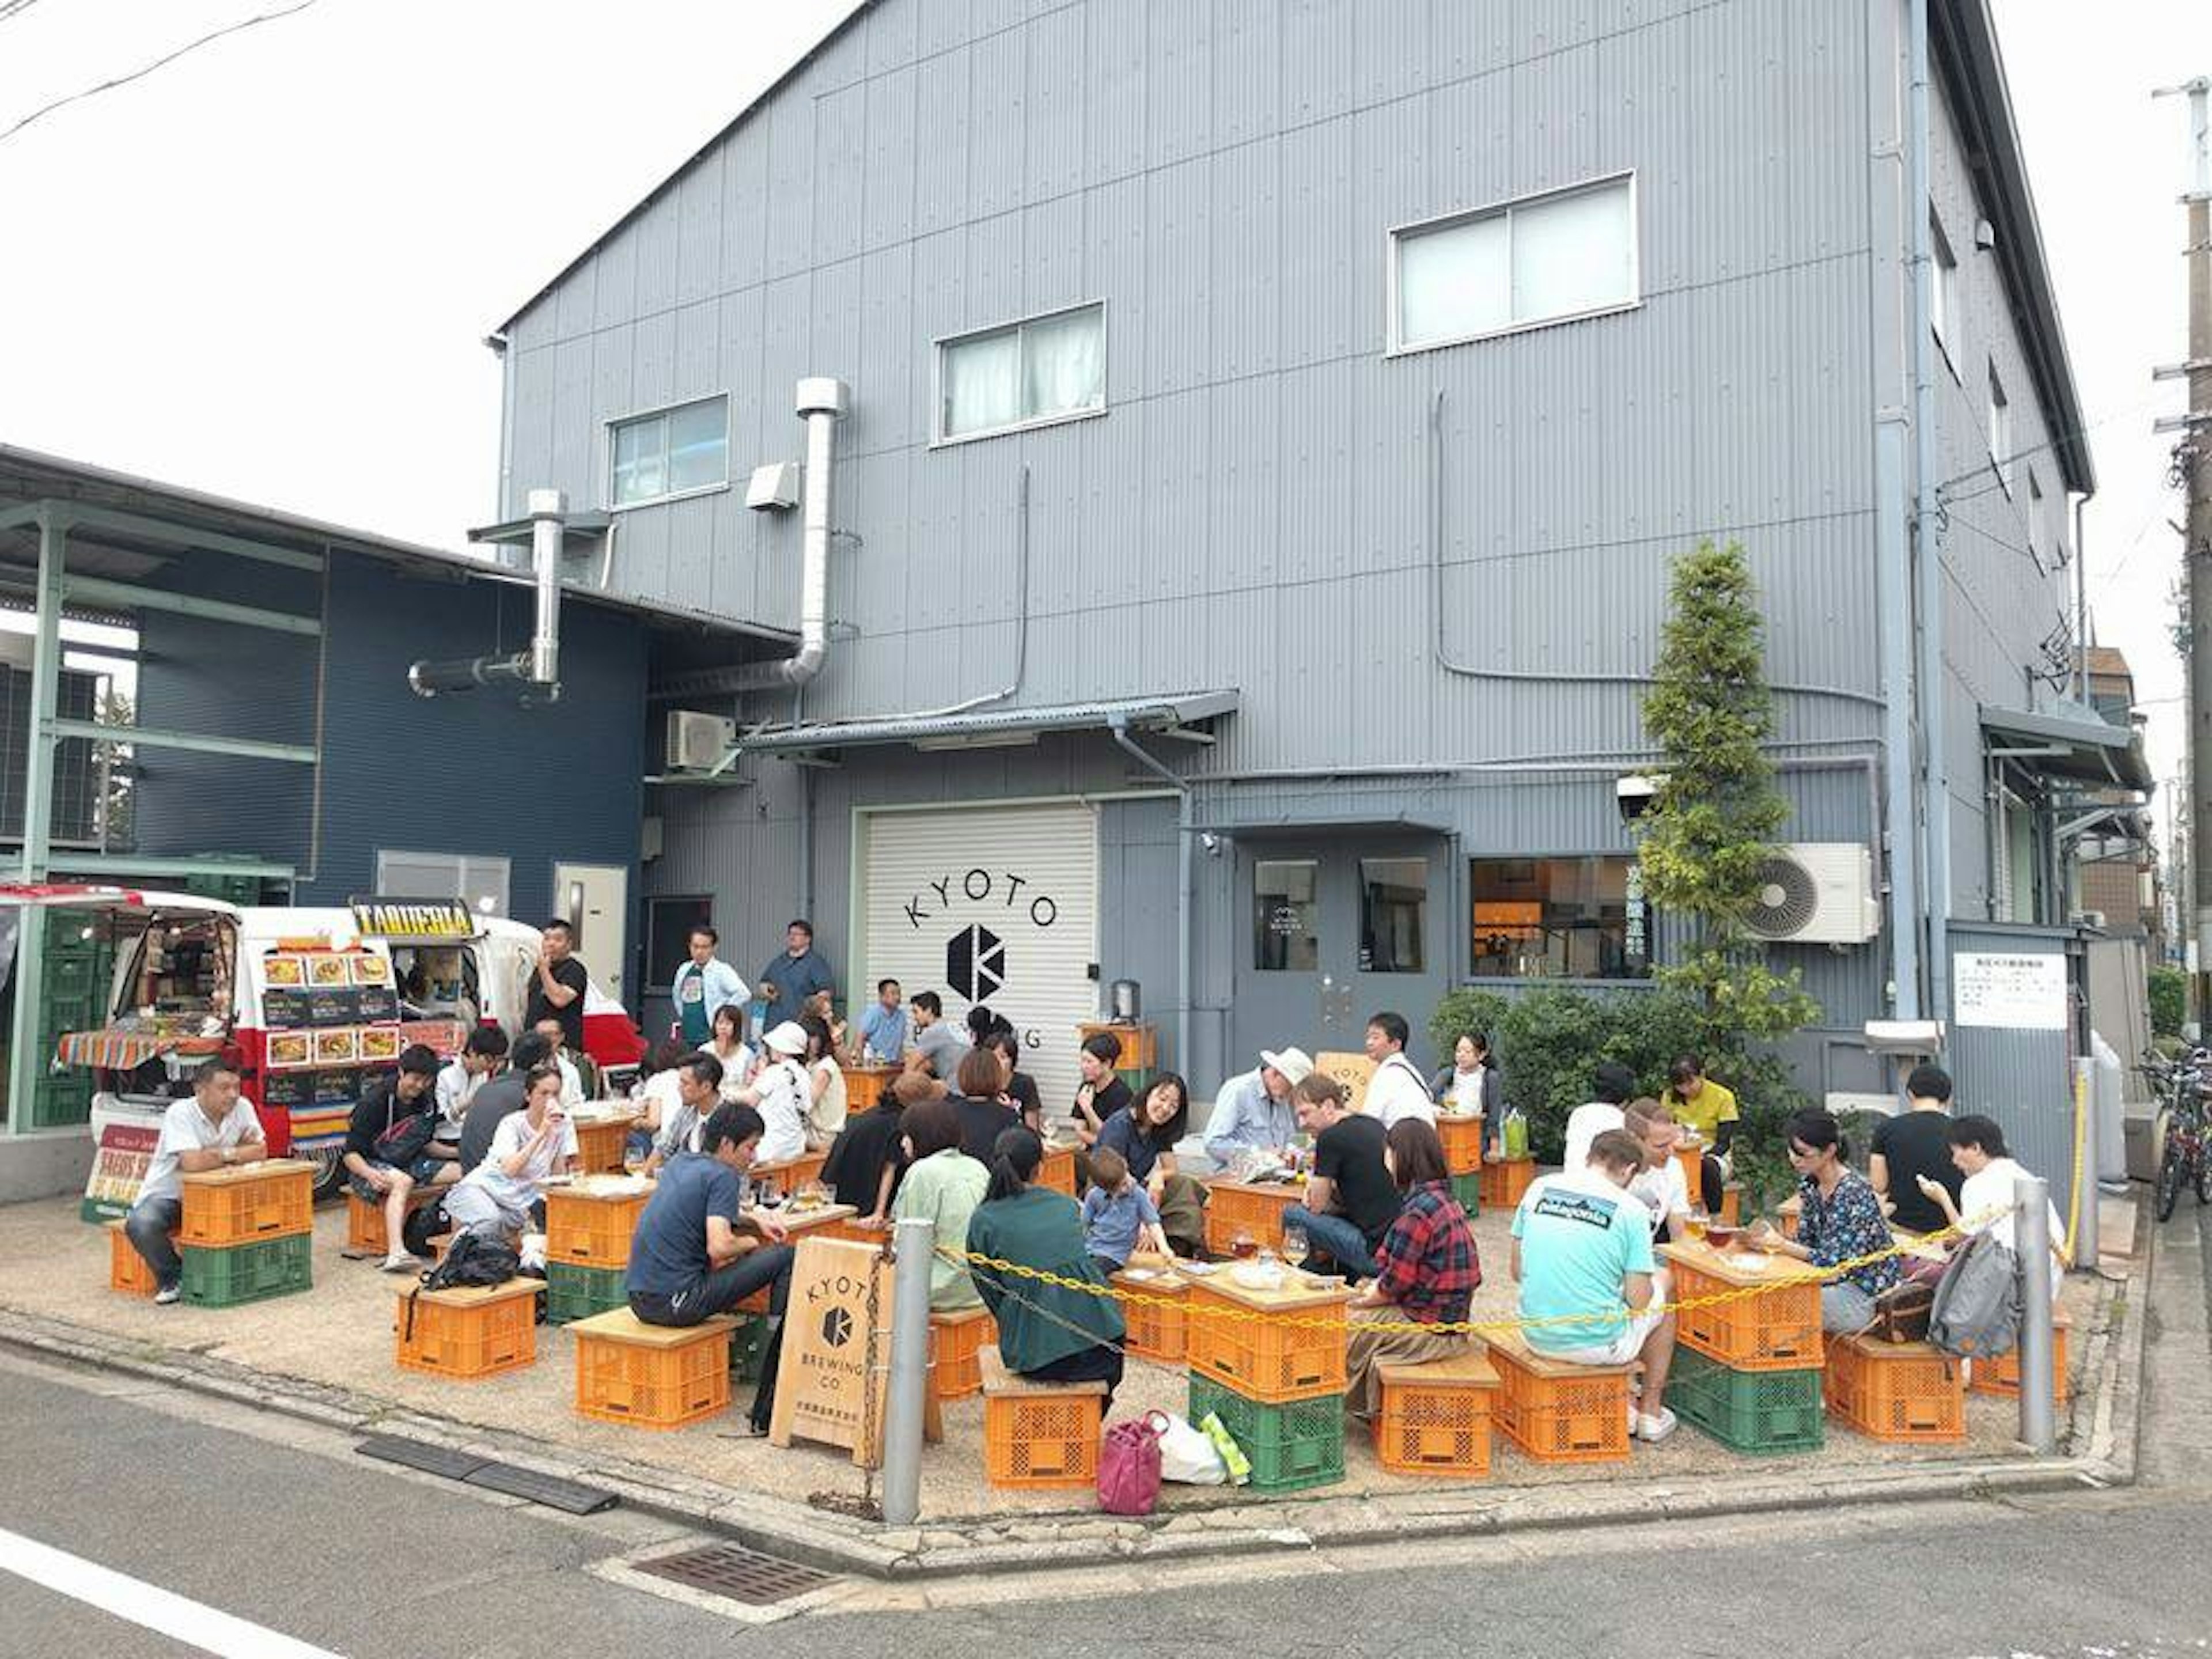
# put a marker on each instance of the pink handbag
(1129, 1468)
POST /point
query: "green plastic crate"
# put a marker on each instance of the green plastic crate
(1292, 1447)
(573, 1292)
(248, 1273)
(1467, 1189)
(748, 1348)
(1756, 1412)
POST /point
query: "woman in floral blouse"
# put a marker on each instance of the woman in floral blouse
(1842, 1220)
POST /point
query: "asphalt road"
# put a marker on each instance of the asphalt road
(282, 1526)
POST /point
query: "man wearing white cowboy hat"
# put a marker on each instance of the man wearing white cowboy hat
(781, 1094)
(1253, 1112)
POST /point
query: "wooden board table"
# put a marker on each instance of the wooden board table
(866, 1087)
(589, 1220)
(1281, 1357)
(602, 1127)
(1253, 1206)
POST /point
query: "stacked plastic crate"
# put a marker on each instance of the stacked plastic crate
(1270, 1362)
(1748, 1366)
(248, 1232)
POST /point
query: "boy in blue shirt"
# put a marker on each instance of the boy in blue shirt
(1119, 1216)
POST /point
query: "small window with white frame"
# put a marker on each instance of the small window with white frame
(1539, 260)
(1944, 316)
(669, 453)
(2000, 430)
(1032, 373)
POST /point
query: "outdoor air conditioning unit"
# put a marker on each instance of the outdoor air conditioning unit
(1817, 893)
(698, 741)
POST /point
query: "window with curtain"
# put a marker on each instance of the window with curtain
(1543, 259)
(672, 452)
(1047, 369)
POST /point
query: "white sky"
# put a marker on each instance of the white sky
(265, 271)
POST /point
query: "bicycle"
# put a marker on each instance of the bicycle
(2184, 1144)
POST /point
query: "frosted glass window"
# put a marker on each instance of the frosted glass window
(1569, 254)
(669, 453)
(1049, 368)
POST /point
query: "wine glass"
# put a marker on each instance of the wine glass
(1295, 1248)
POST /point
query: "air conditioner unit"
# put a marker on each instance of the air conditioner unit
(1817, 893)
(698, 741)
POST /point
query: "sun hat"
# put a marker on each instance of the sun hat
(1295, 1063)
(789, 1038)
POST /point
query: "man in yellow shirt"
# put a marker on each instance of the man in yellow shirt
(1708, 1108)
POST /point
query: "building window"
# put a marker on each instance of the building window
(2000, 431)
(1391, 894)
(1287, 915)
(1047, 369)
(1565, 918)
(668, 925)
(1944, 316)
(478, 881)
(1541, 259)
(672, 452)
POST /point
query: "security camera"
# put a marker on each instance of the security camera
(1634, 796)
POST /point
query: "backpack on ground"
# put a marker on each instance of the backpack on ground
(1976, 1313)
(424, 1223)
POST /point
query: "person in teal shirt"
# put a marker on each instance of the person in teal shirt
(703, 984)
(1582, 1246)
(943, 1184)
(1047, 1332)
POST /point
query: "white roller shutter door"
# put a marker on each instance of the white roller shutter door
(997, 904)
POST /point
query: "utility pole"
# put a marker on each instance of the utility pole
(2195, 471)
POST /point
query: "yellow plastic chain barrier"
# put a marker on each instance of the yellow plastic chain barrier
(971, 1260)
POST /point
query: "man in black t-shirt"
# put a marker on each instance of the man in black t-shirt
(1351, 1199)
(558, 986)
(1912, 1144)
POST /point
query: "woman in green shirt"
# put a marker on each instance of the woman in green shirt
(1045, 1331)
(945, 1185)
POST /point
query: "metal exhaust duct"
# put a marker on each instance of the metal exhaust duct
(822, 403)
(538, 668)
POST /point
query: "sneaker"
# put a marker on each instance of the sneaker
(1653, 1430)
(399, 1262)
(168, 1294)
(1633, 1414)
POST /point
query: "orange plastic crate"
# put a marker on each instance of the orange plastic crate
(2001, 1375)
(1231, 1208)
(1462, 1139)
(1039, 1434)
(599, 1146)
(1896, 1391)
(470, 1332)
(365, 1229)
(1558, 1412)
(957, 1337)
(589, 1231)
(1436, 1418)
(649, 1375)
(1503, 1181)
(126, 1269)
(1057, 1170)
(792, 1173)
(249, 1209)
(1155, 1331)
(1269, 1358)
(1775, 1330)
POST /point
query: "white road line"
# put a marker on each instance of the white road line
(191, 1622)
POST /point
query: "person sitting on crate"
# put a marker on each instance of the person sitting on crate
(1351, 1199)
(462, 1077)
(1839, 1219)
(573, 1090)
(1254, 1111)
(504, 1194)
(500, 1099)
(1708, 1109)
(1145, 1133)
(1046, 1331)
(1427, 1273)
(213, 1130)
(698, 1250)
(1582, 1248)
(389, 1146)
(682, 1128)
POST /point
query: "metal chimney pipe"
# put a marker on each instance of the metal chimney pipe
(540, 665)
(822, 403)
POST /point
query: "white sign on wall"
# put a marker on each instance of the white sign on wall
(2011, 990)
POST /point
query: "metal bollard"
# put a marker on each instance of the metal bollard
(913, 1241)
(2038, 1421)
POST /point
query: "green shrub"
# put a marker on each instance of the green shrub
(2169, 1001)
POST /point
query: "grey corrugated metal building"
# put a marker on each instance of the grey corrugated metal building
(1333, 381)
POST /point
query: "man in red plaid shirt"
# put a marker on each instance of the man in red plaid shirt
(1427, 1272)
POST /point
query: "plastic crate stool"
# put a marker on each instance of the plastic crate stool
(366, 1233)
(1294, 1350)
(655, 1376)
(589, 1223)
(1436, 1417)
(2001, 1375)
(956, 1337)
(1558, 1412)
(1460, 1133)
(127, 1271)
(1506, 1181)
(1774, 1327)
(248, 1203)
(1290, 1447)
(1901, 1392)
(1754, 1411)
(1157, 1328)
(235, 1274)
(470, 1331)
(1038, 1434)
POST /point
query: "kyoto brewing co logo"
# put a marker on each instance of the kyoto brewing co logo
(975, 962)
(836, 1327)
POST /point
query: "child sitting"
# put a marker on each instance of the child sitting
(1119, 1216)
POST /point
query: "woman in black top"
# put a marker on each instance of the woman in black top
(1020, 1091)
(867, 1161)
(1101, 1093)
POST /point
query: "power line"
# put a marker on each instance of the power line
(10, 7)
(141, 74)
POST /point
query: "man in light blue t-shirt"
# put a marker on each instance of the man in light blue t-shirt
(1581, 1244)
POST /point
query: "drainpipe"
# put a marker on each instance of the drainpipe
(822, 403)
(1153, 764)
(539, 667)
(1894, 603)
(1936, 862)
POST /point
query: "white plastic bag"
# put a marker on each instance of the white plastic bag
(533, 1251)
(1186, 1455)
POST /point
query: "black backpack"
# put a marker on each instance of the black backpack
(423, 1223)
(470, 1259)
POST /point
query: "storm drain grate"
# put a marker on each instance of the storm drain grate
(740, 1574)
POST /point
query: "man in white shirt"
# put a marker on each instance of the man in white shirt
(1613, 1086)
(460, 1077)
(1255, 1111)
(1397, 1090)
(215, 1129)
(704, 984)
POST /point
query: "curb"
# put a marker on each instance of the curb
(2104, 1422)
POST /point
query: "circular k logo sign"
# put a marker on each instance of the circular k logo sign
(837, 1326)
(975, 962)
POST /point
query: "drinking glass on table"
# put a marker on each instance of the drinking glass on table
(1698, 1220)
(1295, 1248)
